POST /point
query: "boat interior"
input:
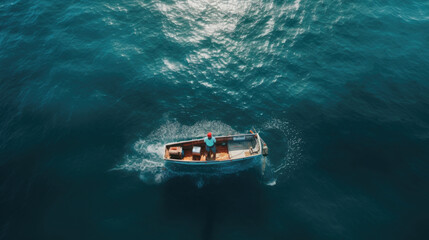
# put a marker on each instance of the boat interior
(227, 148)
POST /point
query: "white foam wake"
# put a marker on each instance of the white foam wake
(146, 154)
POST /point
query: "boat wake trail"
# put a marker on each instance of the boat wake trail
(145, 156)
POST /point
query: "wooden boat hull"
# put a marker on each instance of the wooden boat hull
(236, 151)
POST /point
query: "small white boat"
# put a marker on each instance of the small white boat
(229, 149)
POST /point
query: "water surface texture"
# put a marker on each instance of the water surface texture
(90, 91)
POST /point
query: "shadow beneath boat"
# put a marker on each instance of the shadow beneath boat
(222, 205)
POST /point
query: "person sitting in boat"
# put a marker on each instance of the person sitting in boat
(210, 144)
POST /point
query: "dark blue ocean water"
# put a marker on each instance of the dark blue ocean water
(91, 90)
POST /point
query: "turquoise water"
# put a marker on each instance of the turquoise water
(91, 90)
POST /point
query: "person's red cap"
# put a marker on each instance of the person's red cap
(209, 134)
